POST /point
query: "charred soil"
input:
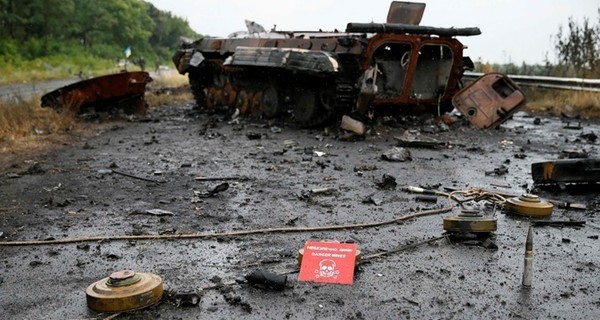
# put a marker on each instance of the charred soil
(75, 192)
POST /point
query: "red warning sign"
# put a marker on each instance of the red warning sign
(328, 262)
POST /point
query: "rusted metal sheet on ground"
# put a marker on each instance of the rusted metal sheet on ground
(566, 171)
(490, 100)
(102, 93)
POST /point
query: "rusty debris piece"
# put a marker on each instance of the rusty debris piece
(317, 76)
(490, 100)
(125, 90)
(266, 280)
(572, 171)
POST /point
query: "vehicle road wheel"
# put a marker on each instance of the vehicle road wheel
(272, 105)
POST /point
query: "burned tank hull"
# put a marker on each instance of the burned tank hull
(316, 75)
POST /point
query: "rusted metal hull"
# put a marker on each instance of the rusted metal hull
(103, 93)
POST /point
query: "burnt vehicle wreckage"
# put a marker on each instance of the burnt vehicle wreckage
(104, 93)
(315, 75)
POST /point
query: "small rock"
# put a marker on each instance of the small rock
(216, 279)
(83, 246)
(253, 135)
(275, 129)
(387, 182)
(35, 263)
(397, 154)
(212, 309)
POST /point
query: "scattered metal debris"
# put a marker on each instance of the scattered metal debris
(415, 139)
(573, 126)
(387, 182)
(108, 171)
(373, 200)
(575, 171)
(573, 154)
(267, 280)
(159, 212)
(322, 191)
(239, 178)
(211, 192)
(490, 100)
(557, 223)
(590, 137)
(185, 298)
(103, 93)
(499, 171)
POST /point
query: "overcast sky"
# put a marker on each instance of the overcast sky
(512, 30)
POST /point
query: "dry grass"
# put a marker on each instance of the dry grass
(23, 123)
(556, 102)
(167, 88)
(27, 130)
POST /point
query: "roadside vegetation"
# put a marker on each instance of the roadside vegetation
(44, 39)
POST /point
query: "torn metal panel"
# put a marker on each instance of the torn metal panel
(405, 12)
(566, 171)
(287, 58)
(490, 100)
(102, 93)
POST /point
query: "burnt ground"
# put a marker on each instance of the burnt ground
(69, 194)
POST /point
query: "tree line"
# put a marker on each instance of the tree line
(37, 29)
(577, 51)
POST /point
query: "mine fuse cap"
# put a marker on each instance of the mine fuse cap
(529, 205)
(124, 290)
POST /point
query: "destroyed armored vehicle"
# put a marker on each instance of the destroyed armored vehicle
(312, 76)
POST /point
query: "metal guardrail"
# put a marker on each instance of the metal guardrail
(576, 84)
